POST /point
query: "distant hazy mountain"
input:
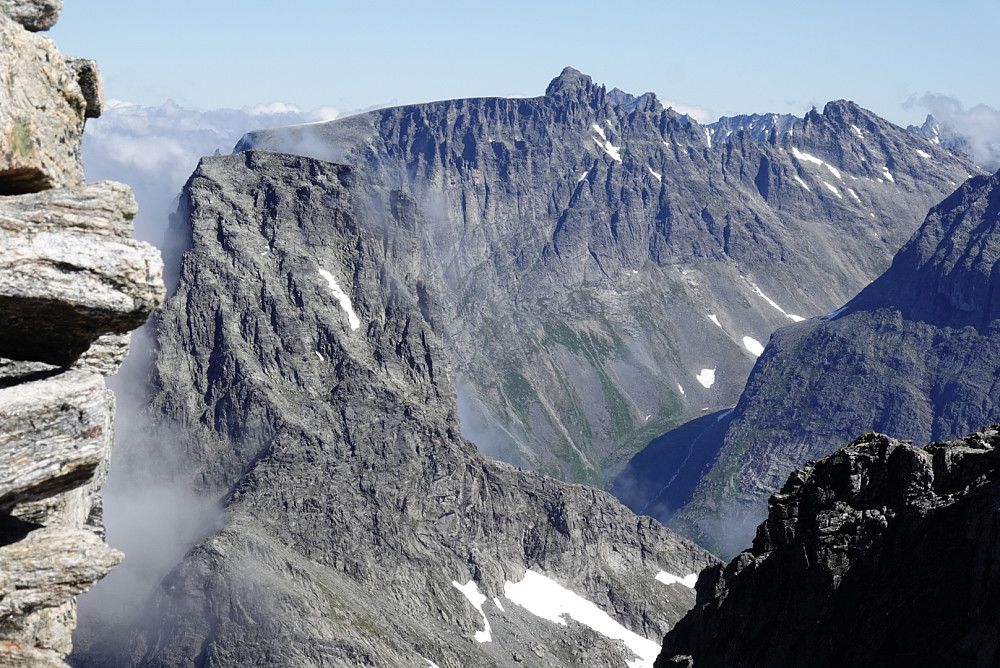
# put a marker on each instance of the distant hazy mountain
(975, 131)
(607, 271)
(915, 355)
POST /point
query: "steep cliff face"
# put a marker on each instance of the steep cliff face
(915, 355)
(607, 268)
(300, 360)
(72, 284)
(881, 554)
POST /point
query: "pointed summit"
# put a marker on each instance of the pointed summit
(570, 82)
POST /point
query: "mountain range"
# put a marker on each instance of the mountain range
(608, 269)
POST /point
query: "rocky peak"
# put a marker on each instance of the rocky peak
(946, 274)
(879, 554)
(573, 86)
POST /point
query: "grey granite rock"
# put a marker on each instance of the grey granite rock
(301, 363)
(56, 432)
(42, 111)
(880, 554)
(579, 246)
(70, 272)
(35, 15)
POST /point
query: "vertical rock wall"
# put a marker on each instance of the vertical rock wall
(72, 285)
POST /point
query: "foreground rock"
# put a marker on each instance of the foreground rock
(70, 271)
(881, 554)
(42, 111)
(35, 15)
(72, 284)
(302, 363)
(606, 270)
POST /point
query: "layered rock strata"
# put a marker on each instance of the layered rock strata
(881, 554)
(72, 284)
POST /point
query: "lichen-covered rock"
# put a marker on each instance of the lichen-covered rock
(35, 15)
(42, 110)
(70, 272)
(880, 554)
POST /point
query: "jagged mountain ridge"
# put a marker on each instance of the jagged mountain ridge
(603, 273)
(914, 355)
(880, 554)
(300, 360)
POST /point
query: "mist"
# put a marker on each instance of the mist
(152, 514)
(975, 130)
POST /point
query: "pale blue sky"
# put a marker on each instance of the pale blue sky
(728, 57)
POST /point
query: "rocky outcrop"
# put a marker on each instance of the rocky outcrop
(301, 370)
(914, 355)
(72, 284)
(35, 15)
(607, 268)
(880, 554)
(42, 108)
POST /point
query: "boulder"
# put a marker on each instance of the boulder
(35, 15)
(70, 273)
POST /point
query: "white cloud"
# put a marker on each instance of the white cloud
(978, 126)
(155, 149)
(700, 114)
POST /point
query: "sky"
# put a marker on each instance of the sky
(718, 57)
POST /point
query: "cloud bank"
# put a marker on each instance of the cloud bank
(975, 130)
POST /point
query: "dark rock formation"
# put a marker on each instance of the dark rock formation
(603, 273)
(915, 355)
(301, 362)
(72, 284)
(35, 15)
(882, 554)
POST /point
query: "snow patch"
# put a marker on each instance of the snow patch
(774, 304)
(802, 183)
(833, 189)
(341, 296)
(923, 154)
(706, 378)
(888, 175)
(753, 345)
(319, 355)
(681, 388)
(858, 130)
(805, 156)
(714, 318)
(648, 416)
(496, 602)
(659, 177)
(708, 137)
(614, 151)
(688, 580)
(471, 591)
(549, 600)
(854, 195)
(583, 176)
(430, 664)
(833, 170)
(599, 130)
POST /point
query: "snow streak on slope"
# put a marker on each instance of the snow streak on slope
(549, 600)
